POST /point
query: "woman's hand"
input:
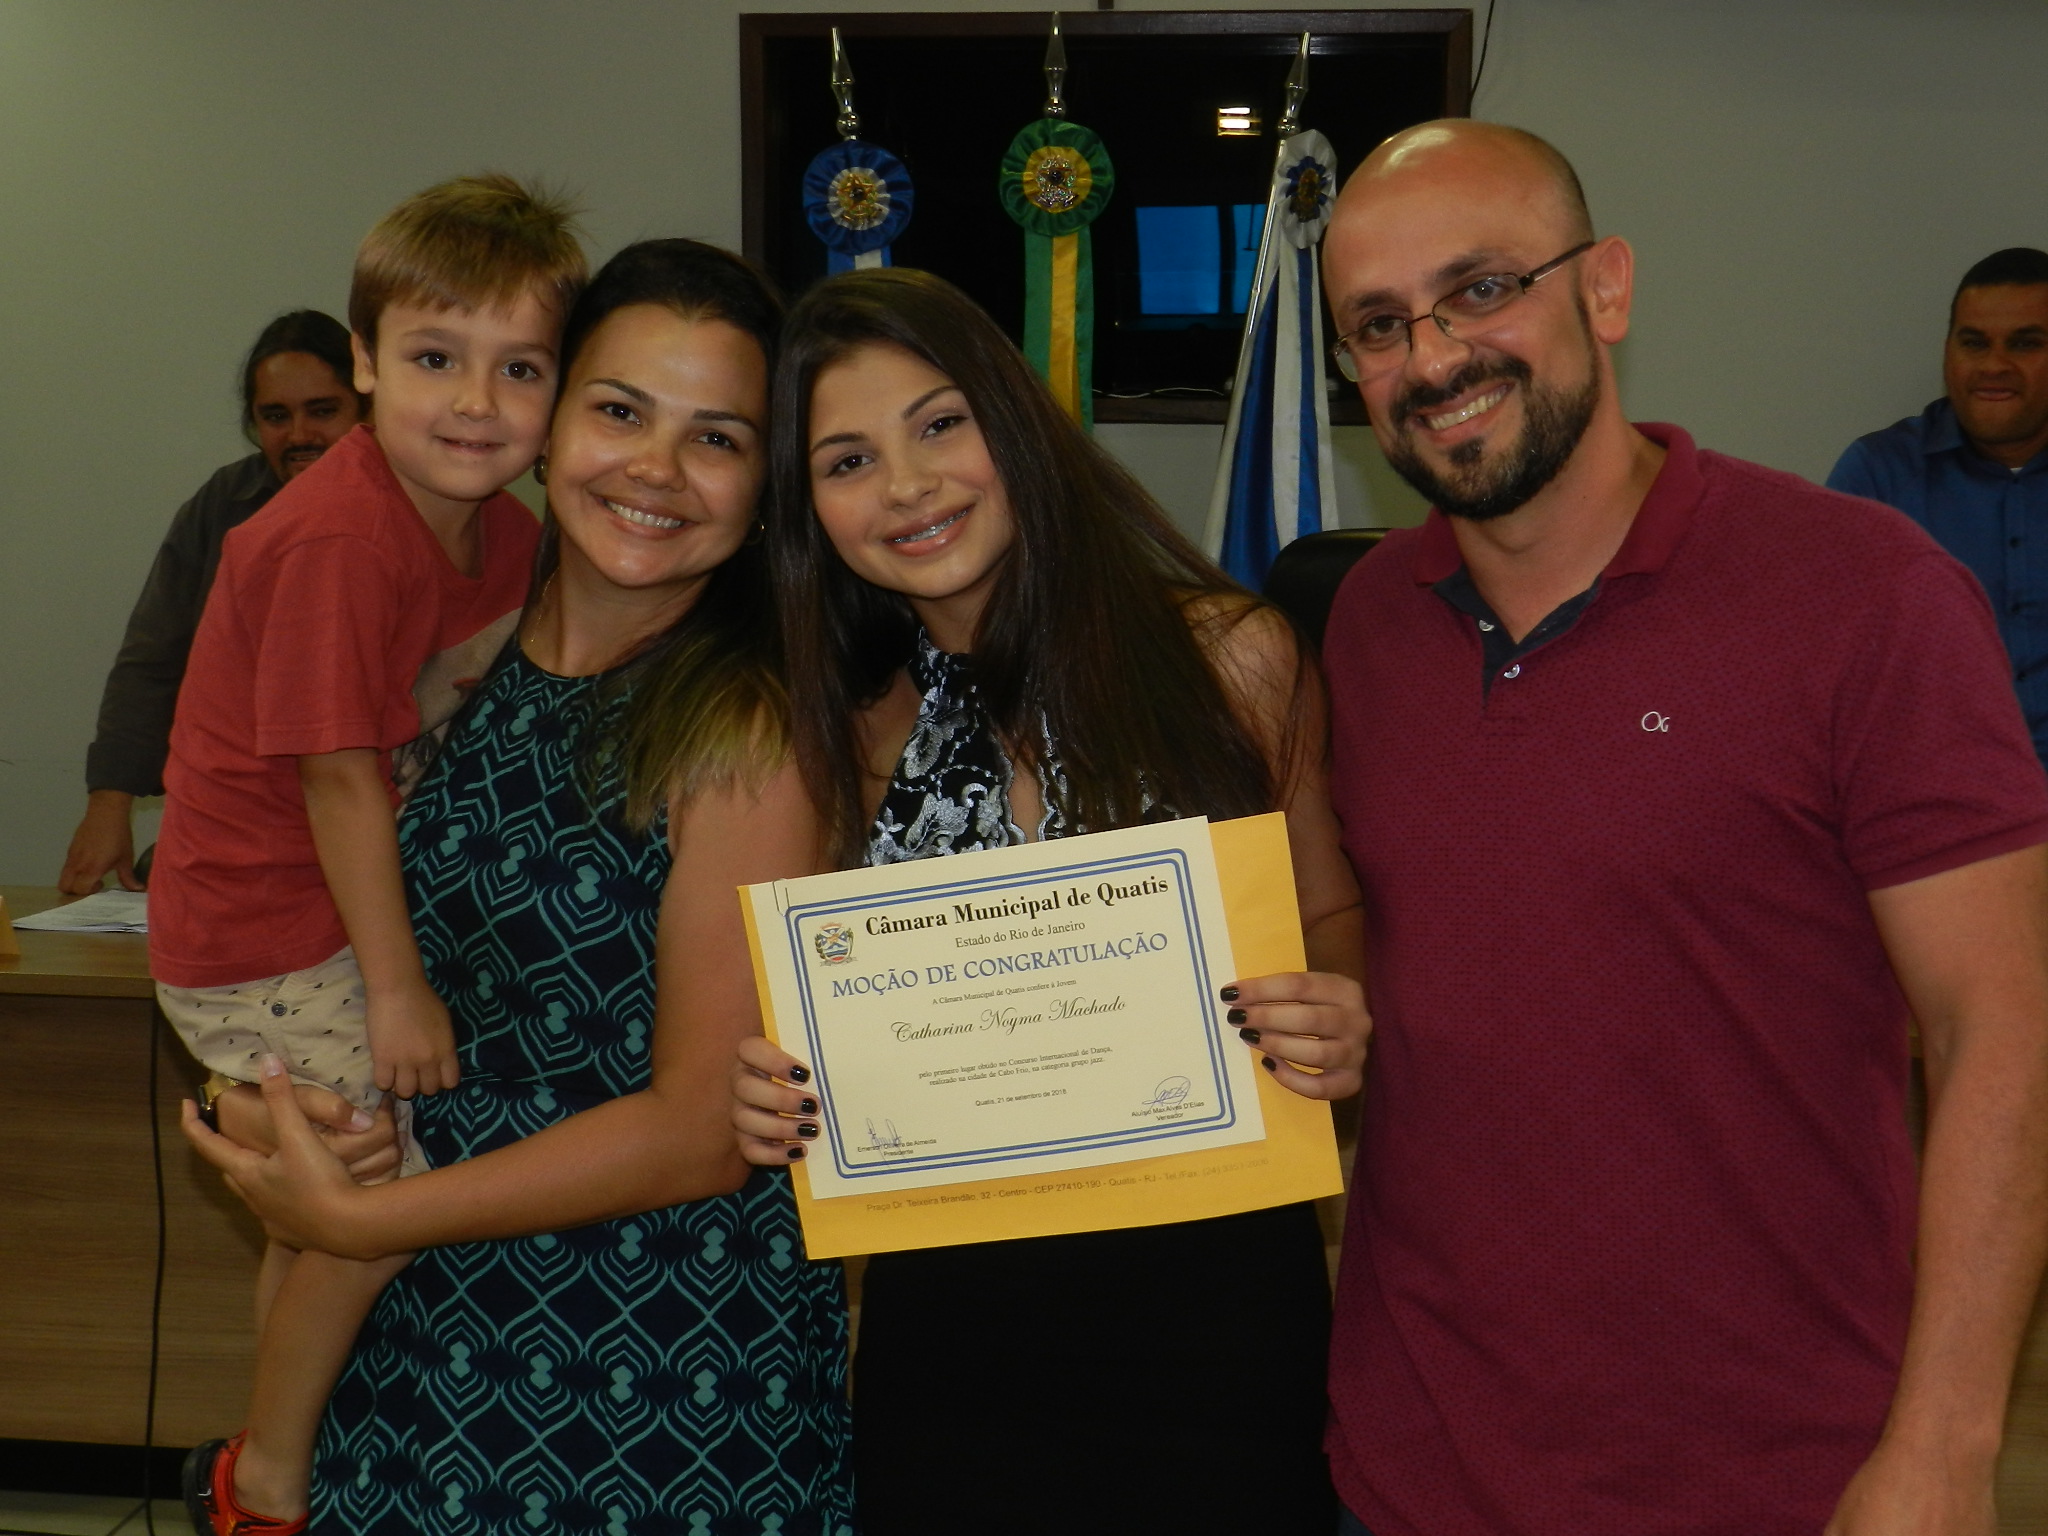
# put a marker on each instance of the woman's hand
(301, 1193)
(773, 1112)
(1304, 1019)
(366, 1144)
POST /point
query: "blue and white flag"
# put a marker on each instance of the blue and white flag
(1276, 479)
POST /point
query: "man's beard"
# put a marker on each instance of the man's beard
(1553, 422)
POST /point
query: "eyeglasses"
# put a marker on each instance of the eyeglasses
(1466, 313)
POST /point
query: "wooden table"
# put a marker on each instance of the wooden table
(78, 1213)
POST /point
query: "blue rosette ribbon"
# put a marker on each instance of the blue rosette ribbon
(857, 199)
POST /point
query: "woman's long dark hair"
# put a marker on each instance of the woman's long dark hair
(702, 702)
(1090, 625)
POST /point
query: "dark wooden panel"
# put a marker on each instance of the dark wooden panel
(78, 1231)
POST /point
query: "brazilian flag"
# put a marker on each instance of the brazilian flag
(1056, 180)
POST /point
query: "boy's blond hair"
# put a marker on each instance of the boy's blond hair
(477, 242)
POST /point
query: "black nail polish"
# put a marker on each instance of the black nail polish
(1267, 1063)
(796, 1154)
(799, 1074)
(807, 1106)
(1229, 994)
(808, 1129)
(1248, 1036)
(1237, 1016)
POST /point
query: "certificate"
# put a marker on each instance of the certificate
(1028, 1039)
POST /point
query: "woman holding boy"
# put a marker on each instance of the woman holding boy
(611, 1325)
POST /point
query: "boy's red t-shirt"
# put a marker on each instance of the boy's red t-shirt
(329, 607)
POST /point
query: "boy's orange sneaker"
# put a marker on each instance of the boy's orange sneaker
(210, 1496)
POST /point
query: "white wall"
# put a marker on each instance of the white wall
(1804, 179)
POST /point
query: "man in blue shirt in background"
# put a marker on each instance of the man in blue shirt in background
(1971, 469)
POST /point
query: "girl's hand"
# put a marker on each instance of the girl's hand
(773, 1113)
(301, 1193)
(1304, 1019)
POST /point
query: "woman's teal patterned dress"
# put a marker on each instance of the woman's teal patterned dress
(681, 1371)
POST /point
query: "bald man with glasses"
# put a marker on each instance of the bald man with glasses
(1672, 784)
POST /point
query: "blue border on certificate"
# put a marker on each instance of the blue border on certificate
(1225, 1116)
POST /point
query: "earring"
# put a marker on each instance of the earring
(756, 533)
(540, 470)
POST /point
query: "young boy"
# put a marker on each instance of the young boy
(343, 623)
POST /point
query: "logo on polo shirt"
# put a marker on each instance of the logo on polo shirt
(1656, 722)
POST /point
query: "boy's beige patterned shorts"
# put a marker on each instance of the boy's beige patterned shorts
(314, 1020)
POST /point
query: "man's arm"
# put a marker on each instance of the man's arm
(1970, 948)
(132, 738)
(133, 734)
(356, 836)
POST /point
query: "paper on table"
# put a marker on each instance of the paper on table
(101, 912)
(1296, 1159)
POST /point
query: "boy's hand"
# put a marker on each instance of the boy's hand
(412, 1044)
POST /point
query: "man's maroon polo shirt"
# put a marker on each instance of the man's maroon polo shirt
(1630, 1236)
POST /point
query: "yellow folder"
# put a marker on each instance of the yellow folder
(1297, 1160)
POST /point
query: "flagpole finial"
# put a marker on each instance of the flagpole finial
(1055, 72)
(1297, 90)
(848, 122)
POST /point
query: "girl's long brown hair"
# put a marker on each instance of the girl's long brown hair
(1089, 626)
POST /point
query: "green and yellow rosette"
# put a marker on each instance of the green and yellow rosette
(1056, 179)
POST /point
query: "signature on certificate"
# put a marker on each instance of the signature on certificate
(1169, 1094)
(887, 1139)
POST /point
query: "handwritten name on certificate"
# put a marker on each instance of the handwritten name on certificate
(1014, 1011)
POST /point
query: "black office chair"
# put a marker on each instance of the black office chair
(1306, 574)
